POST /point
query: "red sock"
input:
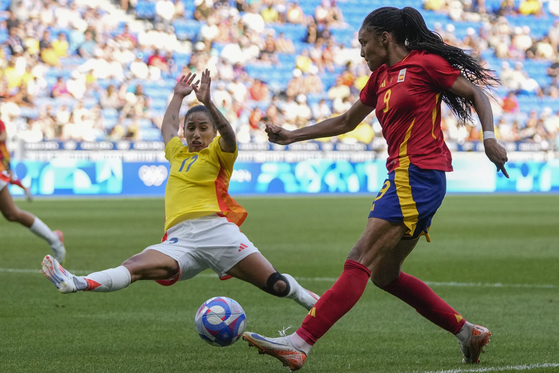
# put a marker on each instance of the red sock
(429, 305)
(336, 302)
(18, 183)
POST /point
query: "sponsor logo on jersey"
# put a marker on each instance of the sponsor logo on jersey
(173, 240)
(242, 247)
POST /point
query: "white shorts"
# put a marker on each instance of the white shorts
(4, 179)
(207, 242)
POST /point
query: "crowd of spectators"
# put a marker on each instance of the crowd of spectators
(103, 70)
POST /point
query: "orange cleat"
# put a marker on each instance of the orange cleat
(281, 348)
(471, 349)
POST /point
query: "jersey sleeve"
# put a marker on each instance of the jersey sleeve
(172, 148)
(441, 73)
(368, 95)
(227, 160)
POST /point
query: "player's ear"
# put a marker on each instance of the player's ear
(384, 37)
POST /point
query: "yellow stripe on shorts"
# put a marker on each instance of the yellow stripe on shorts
(403, 187)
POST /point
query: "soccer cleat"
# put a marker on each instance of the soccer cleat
(58, 250)
(28, 194)
(281, 348)
(472, 348)
(61, 278)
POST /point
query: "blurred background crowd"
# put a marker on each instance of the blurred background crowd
(104, 70)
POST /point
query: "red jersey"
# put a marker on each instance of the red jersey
(4, 154)
(407, 98)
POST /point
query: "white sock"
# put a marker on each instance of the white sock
(465, 333)
(299, 343)
(108, 280)
(298, 293)
(43, 231)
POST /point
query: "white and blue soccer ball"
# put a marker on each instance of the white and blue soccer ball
(220, 321)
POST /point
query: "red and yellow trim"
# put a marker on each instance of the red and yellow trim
(403, 187)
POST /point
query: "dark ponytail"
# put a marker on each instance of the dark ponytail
(408, 28)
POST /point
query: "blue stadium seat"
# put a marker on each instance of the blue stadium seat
(28, 112)
(151, 134)
(110, 113)
(145, 123)
(145, 10)
(5, 4)
(159, 103)
(186, 29)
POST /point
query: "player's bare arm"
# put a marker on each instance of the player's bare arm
(3, 136)
(494, 151)
(171, 123)
(227, 142)
(330, 127)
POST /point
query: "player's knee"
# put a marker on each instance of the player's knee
(11, 215)
(277, 285)
(382, 280)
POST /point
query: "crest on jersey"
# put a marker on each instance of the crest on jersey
(401, 75)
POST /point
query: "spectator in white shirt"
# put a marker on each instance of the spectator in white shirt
(164, 11)
(253, 20)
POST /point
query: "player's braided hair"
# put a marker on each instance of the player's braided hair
(408, 27)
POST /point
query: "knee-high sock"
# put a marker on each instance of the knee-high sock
(43, 231)
(298, 293)
(429, 305)
(336, 302)
(108, 280)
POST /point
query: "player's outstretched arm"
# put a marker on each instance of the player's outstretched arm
(327, 128)
(171, 124)
(228, 141)
(494, 151)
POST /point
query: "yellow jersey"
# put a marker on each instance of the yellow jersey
(198, 184)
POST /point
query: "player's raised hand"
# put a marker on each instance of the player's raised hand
(203, 91)
(278, 135)
(496, 154)
(185, 85)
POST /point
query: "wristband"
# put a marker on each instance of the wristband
(488, 135)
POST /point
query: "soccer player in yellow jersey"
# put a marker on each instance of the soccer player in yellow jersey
(202, 220)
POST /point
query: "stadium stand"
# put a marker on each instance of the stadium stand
(60, 79)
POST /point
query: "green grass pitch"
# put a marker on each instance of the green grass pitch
(478, 242)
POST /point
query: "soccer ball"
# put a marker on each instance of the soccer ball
(220, 321)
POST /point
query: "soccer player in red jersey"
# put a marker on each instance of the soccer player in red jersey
(12, 213)
(413, 70)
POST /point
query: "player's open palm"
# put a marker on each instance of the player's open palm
(203, 91)
(185, 85)
(278, 135)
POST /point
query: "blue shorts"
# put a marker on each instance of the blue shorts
(410, 196)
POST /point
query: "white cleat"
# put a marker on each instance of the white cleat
(281, 348)
(58, 250)
(472, 348)
(61, 278)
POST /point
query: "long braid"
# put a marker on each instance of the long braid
(408, 28)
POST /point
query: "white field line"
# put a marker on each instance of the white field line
(497, 369)
(331, 279)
